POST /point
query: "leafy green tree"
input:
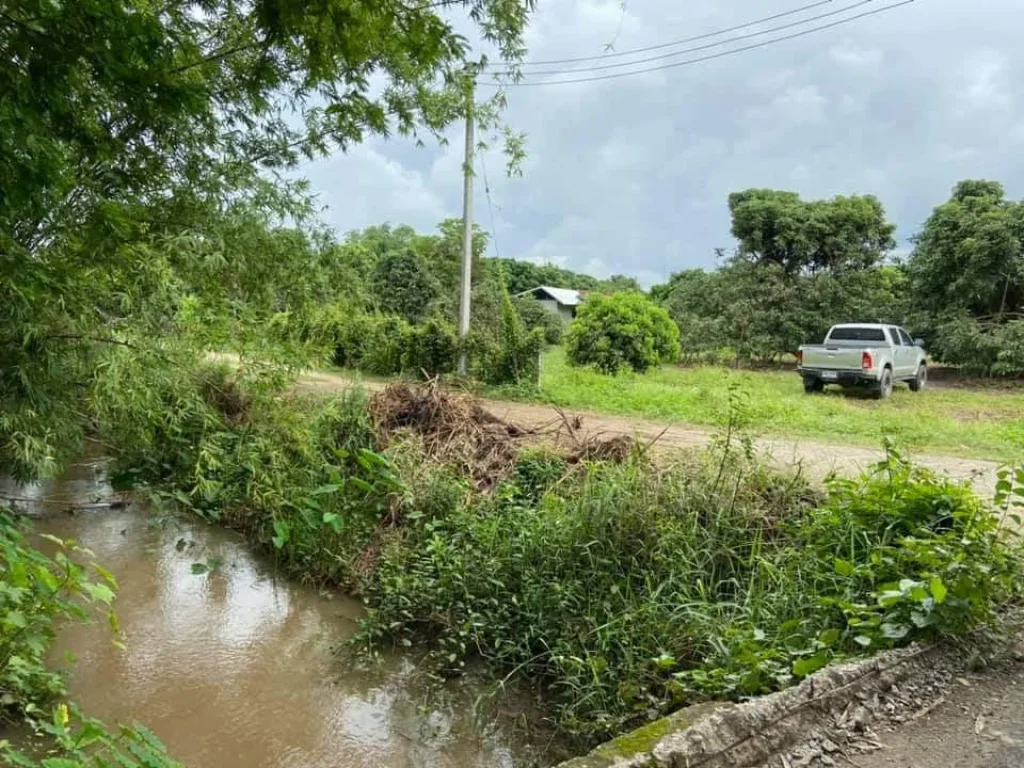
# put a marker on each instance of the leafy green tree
(433, 348)
(801, 236)
(522, 276)
(799, 268)
(510, 355)
(403, 284)
(969, 256)
(136, 134)
(535, 315)
(622, 330)
(619, 284)
(966, 279)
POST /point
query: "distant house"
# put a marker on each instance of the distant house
(560, 301)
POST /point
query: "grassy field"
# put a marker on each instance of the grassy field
(983, 424)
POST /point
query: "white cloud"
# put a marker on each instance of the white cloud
(364, 187)
(632, 175)
(987, 82)
(865, 60)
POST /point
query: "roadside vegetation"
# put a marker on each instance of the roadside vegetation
(622, 588)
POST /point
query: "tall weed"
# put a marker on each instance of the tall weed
(628, 590)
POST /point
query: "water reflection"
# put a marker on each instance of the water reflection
(233, 668)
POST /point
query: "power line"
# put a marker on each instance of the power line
(721, 54)
(704, 47)
(490, 207)
(693, 39)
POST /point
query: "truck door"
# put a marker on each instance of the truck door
(910, 350)
(899, 355)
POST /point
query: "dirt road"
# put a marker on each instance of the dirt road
(816, 458)
(979, 725)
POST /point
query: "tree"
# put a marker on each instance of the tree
(403, 284)
(535, 315)
(522, 276)
(619, 284)
(135, 135)
(969, 256)
(809, 236)
(966, 278)
(798, 268)
(625, 329)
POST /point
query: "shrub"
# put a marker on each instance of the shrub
(403, 284)
(372, 343)
(534, 315)
(624, 329)
(982, 348)
(385, 346)
(512, 355)
(432, 348)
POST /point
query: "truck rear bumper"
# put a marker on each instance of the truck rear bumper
(831, 376)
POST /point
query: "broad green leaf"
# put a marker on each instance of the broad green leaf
(809, 665)
(844, 568)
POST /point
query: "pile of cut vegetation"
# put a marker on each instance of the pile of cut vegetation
(453, 428)
(456, 429)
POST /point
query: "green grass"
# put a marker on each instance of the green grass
(982, 424)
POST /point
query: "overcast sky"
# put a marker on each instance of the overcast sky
(631, 175)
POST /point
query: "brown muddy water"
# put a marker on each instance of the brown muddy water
(234, 667)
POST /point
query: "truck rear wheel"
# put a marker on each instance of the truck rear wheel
(813, 385)
(917, 383)
(884, 388)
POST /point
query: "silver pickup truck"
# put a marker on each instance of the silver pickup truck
(865, 355)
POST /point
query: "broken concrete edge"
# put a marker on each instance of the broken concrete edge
(718, 734)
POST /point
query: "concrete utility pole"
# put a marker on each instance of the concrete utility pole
(467, 236)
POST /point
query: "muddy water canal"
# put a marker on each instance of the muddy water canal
(232, 665)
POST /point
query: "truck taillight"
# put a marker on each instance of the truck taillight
(866, 362)
(799, 357)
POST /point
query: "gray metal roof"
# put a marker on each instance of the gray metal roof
(567, 297)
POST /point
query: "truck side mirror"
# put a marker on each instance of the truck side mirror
(919, 343)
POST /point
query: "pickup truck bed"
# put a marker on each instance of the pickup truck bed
(866, 355)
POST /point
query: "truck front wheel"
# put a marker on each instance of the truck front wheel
(884, 388)
(813, 385)
(917, 383)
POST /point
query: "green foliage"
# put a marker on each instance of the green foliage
(982, 348)
(299, 475)
(966, 278)
(534, 315)
(844, 233)
(143, 189)
(522, 276)
(37, 592)
(433, 348)
(82, 742)
(800, 267)
(969, 256)
(623, 330)
(628, 592)
(403, 284)
(512, 354)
